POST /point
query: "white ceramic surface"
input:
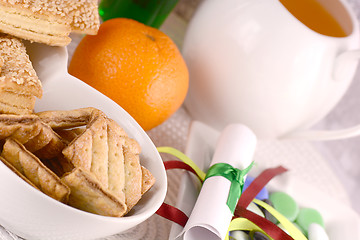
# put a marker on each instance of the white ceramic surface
(341, 221)
(32, 215)
(252, 62)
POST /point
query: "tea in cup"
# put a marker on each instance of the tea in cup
(276, 66)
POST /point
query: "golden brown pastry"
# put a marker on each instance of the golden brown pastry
(89, 195)
(105, 150)
(37, 137)
(116, 167)
(12, 168)
(64, 119)
(68, 135)
(130, 143)
(34, 170)
(133, 179)
(19, 84)
(148, 180)
(97, 160)
(48, 21)
(90, 150)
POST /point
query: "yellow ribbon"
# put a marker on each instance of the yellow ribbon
(183, 158)
(293, 231)
(244, 225)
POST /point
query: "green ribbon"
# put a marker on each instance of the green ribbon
(235, 176)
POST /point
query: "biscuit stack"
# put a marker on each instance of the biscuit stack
(44, 21)
(48, 21)
(19, 84)
(79, 157)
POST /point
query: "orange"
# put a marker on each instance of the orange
(137, 66)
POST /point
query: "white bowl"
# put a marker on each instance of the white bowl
(31, 214)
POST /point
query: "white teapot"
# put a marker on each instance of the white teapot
(253, 62)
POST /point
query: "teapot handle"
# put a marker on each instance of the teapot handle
(341, 70)
(323, 135)
(343, 62)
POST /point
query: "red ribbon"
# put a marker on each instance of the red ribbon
(173, 214)
(167, 211)
(250, 193)
(174, 164)
(257, 184)
(267, 226)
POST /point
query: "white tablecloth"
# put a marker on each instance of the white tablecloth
(343, 156)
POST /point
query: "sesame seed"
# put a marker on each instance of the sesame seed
(82, 15)
(17, 67)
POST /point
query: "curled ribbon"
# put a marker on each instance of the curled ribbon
(184, 158)
(243, 219)
(235, 176)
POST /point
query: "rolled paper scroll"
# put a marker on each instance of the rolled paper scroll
(213, 211)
